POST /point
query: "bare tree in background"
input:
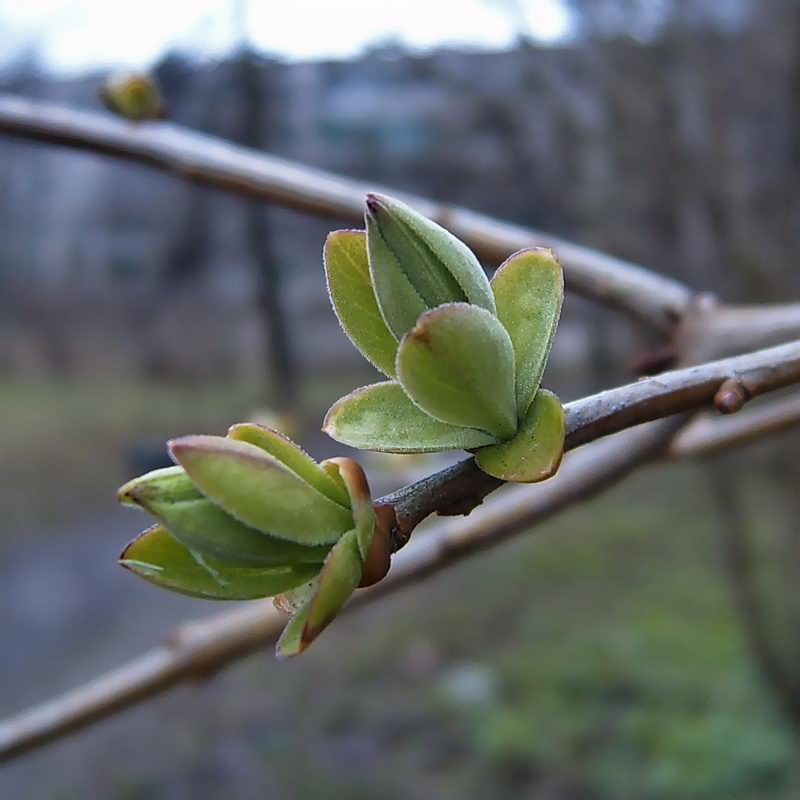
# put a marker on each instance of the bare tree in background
(253, 131)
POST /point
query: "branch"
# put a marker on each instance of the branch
(708, 436)
(654, 300)
(199, 649)
(463, 486)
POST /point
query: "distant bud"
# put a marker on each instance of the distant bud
(416, 265)
(133, 95)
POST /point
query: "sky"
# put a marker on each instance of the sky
(74, 35)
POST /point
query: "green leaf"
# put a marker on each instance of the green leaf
(416, 264)
(338, 579)
(353, 298)
(196, 522)
(360, 501)
(535, 452)
(291, 641)
(259, 491)
(528, 289)
(457, 364)
(161, 559)
(318, 604)
(382, 417)
(291, 456)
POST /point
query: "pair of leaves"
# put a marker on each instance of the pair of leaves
(416, 265)
(171, 496)
(262, 491)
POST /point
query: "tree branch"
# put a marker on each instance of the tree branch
(463, 486)
(199, 649)
(708, 435)
(652, 299)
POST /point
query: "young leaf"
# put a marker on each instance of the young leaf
(298, 603)
(399, 301)
(416, 264)
(338, 579)
(457, 364)
(196, 522)
(535, 452)
(353, 298)
(528, 289)
(291, 456)
(360, 501)
(161, 559)
(382, 417)
(259, 491)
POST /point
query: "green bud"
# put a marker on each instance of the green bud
(457, 364)
(161, 559)
(252, 515)
(416, 265)
(170, 496)
(383, 417)
(259, 490)
(133, 95)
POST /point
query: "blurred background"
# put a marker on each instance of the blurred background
(646, 645)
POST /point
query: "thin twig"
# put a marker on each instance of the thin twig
(708, 435)
(654, 300)
(464, 485)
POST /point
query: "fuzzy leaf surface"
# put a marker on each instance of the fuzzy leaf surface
(535, 452)
(353, 298)
(161, 559)
(338, 579)
(529, 289)
(196, 522)
(293, 457)
(457, 364)
(382, 417)
(416, 264)
(259, 490)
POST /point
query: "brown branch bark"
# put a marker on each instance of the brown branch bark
(464, 485)
(652, 299)
(199, 649)
(708, 435)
